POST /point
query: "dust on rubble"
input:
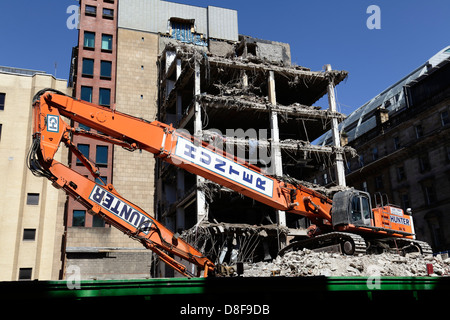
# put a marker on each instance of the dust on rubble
(310, 263)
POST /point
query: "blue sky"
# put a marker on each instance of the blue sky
(34, 35)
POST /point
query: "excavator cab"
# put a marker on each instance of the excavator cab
(351, 207)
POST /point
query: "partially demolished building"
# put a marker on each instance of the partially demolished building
(188, 66)
(249, 100)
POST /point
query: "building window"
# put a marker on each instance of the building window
(97, 222)
(105, 69)
(29, 234)
(101, 158)
(2, 101)
(361, 161)
(444, 118)
(33, 199)
(379, 182)
(364, 186)
(79, 218)
(1, 131)
(86, 94)
(397, 143)
(184, 30)
(89, 40)
(447, 151)
(424, 163)
(429, 193)
(106, 42)
(88, 67)
(419, 131)
(104, 97)
(108, 13)
(405, 201)
(401, 173)
(91, 10)
(84, 149)
(101, 180)
(25, 273)
(84, 127)
(375, 153)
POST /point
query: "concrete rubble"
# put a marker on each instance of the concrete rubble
(310, 263)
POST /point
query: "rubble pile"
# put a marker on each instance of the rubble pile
(310, 263)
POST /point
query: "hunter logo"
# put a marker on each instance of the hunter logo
(120, 209)
(400, 220)
(223, 166)
(52, 123)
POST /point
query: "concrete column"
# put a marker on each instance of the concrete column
(179, 107)
(170, 56)
(202, 205)
(340, 170)
(276, 165)
(180, 224)
(180, 218)
(244, 79)
(197, 107)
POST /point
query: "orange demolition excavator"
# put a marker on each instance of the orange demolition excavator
(347, 222)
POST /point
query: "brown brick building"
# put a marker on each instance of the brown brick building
(94, 63)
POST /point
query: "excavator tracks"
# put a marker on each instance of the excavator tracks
(354, 244)
(347, 243)
(399, 245)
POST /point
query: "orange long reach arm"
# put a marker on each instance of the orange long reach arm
(166, 143)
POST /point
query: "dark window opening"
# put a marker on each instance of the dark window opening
(419, 131)
(25, 273)
(101, 158)
(108, 13)
(86, 94)
(29, 234)
(89, 40)
(97, 222)
(445, 120)
(79, 218)
(105, 69)
(88, 68)
(104, 97)
(33, 199)
(91, 10)
(84, 149)
(2, 101)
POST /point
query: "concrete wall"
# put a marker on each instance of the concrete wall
(42, 254)
(111, 265)
(136, 88)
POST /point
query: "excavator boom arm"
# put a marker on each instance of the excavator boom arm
(164, 142)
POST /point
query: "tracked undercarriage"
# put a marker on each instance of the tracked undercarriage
(353, 244)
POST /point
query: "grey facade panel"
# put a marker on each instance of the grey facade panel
(223, 23)
(140, 15)
(153, 16)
